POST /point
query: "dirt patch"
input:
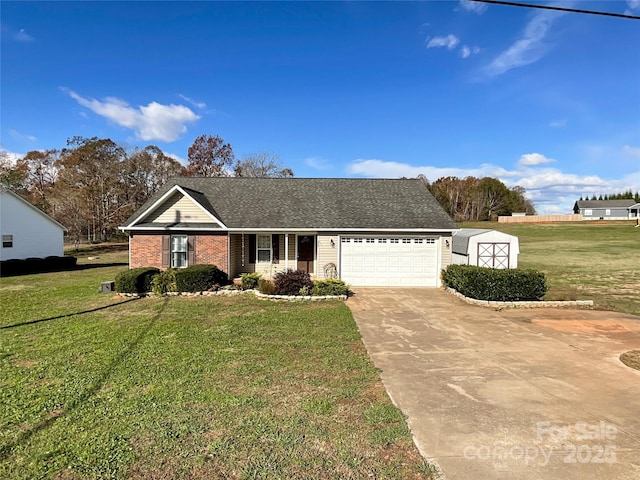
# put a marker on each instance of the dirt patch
(586, 326)
(631, 359)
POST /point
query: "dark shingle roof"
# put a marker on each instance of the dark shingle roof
(605, 203)
(318, 203)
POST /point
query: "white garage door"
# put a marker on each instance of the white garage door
(389, 261)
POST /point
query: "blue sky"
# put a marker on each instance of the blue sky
(541, 99)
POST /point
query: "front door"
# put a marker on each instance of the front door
(305, 253)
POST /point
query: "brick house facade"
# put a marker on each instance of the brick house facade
(146, 250)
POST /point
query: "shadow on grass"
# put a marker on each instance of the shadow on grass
(25, 435)
(67, 315)
(83, 266)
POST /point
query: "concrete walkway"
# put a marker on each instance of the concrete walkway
(516, 394)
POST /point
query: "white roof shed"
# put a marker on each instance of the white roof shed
(485, 248)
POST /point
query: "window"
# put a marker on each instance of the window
(371, 240)
(431, 240)
(179, 251)
(417, 240)
(394, 240)
(7, 241)
(588, 212)
(346, 240)
(382, 240)
(263, 243)
(357, 240)
(406, 240)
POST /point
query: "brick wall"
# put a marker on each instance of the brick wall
(213, 249)
(146, 250)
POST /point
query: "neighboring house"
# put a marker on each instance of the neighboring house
(485, 248)
(607, 209)
(368, 232)
(27, 231)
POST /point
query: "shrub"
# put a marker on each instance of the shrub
(266, 286)
(330, 286)
(291, 282)
(495, 285)
(249, 281)
(164, 282)
(36, 265)
(199, 278)
(136, 280)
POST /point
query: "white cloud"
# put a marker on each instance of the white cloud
(552, 190)
(23, 36)
(196, 104)
(533, 159)
(12, 157)
(633, 4)
(558, 123)
(633, 152)
(466, 51)
(475, 7)
(450, 41)
(529, 48)
(151, 122)
(21, 136)
(318, 163)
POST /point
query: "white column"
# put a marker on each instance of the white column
(286, 251)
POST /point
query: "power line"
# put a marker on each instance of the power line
(560, 9)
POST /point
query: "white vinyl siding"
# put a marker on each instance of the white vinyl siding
(178, 209)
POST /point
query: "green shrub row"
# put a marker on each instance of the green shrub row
(36, 265)
(136, 280)
(491, 284)
(199, 278)
(330, 286)
(196, 278)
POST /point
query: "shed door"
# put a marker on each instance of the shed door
(493, 255)
(389, 261)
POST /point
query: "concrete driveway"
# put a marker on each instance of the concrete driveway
(514, 394)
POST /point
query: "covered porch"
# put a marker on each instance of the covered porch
(270, 252)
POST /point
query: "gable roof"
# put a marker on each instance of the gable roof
(7, 191)
(605, 203)
(310, 203)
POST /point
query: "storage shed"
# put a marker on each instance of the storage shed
(485, 248)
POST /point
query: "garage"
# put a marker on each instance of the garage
(389, 261)
(485, 248)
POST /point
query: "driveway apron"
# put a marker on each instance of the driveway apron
(512, 394)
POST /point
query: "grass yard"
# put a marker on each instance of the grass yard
(96, 386)
(583, 261)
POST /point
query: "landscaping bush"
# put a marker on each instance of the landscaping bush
(164, 282)
(292, 282)
(330, 286)
(266, 286)
(249, 281)
(199, 278)
(136, 280)
(36, 265)
(495, 285)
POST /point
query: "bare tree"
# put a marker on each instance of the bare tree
(262, 164)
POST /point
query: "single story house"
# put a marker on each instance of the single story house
(368, 232)
(607, 209)
(485, 248)
(26, 230)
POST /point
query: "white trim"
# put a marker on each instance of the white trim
(163, 198)
(33, 207)
(286, 251)
(177, 229)
(339, 231)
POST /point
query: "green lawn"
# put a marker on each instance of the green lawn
(584, 261)
(96, 386)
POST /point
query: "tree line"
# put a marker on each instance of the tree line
(628, 195)
(478, 199)
(94, 184)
